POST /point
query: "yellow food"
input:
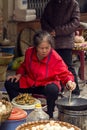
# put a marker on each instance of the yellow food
(79, 39)
(25, 98)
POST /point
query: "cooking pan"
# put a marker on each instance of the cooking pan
(76, 104)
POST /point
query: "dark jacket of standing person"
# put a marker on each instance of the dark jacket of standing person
(63, 19)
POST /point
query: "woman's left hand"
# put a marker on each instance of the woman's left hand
(16, 77)
(71, 85)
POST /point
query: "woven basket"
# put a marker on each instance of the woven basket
(3, 70)
(5, 115)
(29, 125)
(5, 58)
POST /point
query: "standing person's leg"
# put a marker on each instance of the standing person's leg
(66, 54)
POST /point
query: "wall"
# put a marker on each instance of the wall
(8, 9)
(83, 6)
(1, 21)
(1, 4)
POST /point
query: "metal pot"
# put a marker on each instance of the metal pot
(77, 104)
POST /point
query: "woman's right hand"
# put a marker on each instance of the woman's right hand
(71, 85)
(14, 77)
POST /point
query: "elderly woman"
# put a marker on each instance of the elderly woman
(41, 72)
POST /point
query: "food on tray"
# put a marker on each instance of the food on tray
(51, 125)
(5, 110)
(79, 39)
(2, 107)
(80, 43)
(25, 98)
(80, 46)
(47, 125)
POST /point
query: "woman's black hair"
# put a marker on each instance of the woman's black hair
(41, 36)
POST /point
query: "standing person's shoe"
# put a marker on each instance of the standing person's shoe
(76, 92)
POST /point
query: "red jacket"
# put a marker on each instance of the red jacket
(51, 69)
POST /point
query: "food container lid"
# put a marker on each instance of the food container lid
(17, 114)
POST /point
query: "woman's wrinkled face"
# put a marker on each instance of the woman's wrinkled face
(43, 49)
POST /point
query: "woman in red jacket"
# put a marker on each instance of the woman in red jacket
(41, 72)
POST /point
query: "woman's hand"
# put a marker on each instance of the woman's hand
(71, 85)
(53, 33)
(14, 77)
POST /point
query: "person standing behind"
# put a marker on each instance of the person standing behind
(61, 18)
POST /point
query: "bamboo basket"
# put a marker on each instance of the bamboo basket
(3, 70)
(5, 115)
(5, 58)
(29, 125)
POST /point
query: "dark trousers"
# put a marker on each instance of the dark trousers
(50, 91)
(66, 54)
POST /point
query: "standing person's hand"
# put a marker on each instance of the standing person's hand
(53, 33)
(14, 77)
(71, 85)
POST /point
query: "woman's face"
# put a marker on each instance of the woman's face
(43, 49)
